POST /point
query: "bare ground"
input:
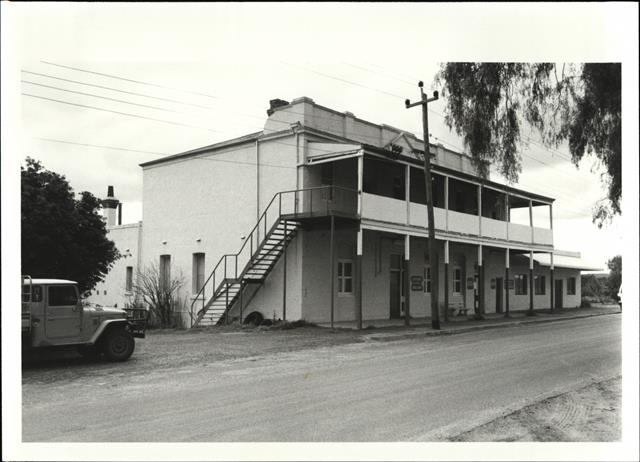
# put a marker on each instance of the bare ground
(589, 414)
(171, 348)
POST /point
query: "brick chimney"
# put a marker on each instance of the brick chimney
(276, 103)
(109, 207)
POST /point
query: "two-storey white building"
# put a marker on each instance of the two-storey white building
(321, 216)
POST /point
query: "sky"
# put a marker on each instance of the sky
(206, 72)
(177, 78)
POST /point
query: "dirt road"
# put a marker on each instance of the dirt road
(413, 390)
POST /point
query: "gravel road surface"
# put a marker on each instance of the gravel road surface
(421, 389)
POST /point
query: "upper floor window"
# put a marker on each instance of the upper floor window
(571, 286)
(539, 284)
(520, 284)
(326, 173)
(345, 276)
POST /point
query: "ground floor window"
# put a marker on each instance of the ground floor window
(571, 286)
(427, 279)
(345, 277)
(197, 272)
(539, 284)
(457, 280)
(520, 284)
(165, 271)
(129, 279)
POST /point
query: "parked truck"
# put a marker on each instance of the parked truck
(53, 315)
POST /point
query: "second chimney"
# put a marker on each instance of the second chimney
(109, 206)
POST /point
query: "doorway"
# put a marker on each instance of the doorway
(396, 287)
(558, 293)
(499, 292)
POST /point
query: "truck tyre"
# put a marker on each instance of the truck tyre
(118, 344)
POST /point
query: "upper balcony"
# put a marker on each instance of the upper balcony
(394, 192)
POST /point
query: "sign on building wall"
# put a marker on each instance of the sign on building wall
(416, 283)
(469, 283)
(493, 283)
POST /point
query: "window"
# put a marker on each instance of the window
(129, 279)
(398, 187)
(197, 272)
(457, 280)
(105, 292)
(571, 286)
(345, 277)
(165, 270)
(62, 295)
(539, 284)
(427, 279)
(36, 294)
(326, 174)
(521, 284)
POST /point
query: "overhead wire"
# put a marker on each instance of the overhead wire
(129, 80)
(206, 107)
(118, 112)
(101, 97)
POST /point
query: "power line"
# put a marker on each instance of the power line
(129, 80)
(120, 113)
(118, 90)
(162, 153)
(102, 97)
(249, 115)
(102, 146)
(378, 73)
(344, 80)
(274, 121)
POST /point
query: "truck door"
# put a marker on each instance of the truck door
(63, 317)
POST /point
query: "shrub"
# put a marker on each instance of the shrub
(585, 302)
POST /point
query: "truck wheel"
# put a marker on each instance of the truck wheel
(118, 344)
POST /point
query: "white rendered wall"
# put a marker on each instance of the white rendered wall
(207, 205)
(112, 291)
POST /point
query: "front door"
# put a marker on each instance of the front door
(499, 292)
(558, 294)
(396, 287)
(64, 313)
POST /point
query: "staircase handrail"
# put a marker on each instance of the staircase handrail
(201, 293)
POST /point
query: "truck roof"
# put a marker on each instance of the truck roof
(49, 281)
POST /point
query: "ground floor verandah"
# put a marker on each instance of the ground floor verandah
(387, 278)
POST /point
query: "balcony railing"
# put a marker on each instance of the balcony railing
(382, 208)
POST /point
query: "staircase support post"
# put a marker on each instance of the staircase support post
(241, 301)
(331, 266)
(226, 305)
(284, 272)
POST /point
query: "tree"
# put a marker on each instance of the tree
(593, 286)
(62, 237)
(159, 292)
(487, 104)
(615, 276)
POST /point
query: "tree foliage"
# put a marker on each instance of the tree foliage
(62, 237)
(488, 104)
(615, 276)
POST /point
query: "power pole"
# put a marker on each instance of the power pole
(424, 101)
